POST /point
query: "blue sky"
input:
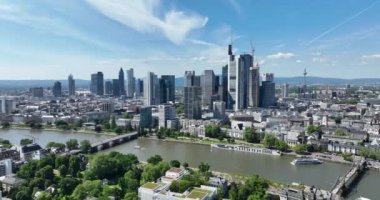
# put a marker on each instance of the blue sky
(44, 39)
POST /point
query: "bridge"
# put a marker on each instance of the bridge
(343, 185)
(112, 142)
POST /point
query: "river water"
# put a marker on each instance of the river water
(240, 163)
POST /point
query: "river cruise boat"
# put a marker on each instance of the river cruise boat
(247, 149)
(306, 161)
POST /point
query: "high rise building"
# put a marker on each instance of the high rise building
(285, 90)
(167, 88)
(7, 105)
(268, 91)
(131, 83)
(108, 88)
(139, 88)
(238, 76)
(151, 89)
(121, 85)
(146, 120)
(193, 102)
(97, 84)
(219, 109)
(57, 89)
(254, 87)
(37, 92)
(208, 87)
(189, 78)
(224, 84)
(71, 84)
(165, 112)
(116, 87)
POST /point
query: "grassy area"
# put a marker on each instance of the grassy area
(198, 193)
(150, 185)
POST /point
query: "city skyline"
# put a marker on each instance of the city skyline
(172, 37)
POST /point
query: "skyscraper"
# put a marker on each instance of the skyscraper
(224, 84)
(108, 88)
(57, 89)
(93, 84)
(208, 88)
(219, 109)
(167, 88)
(130, 83)
(268, 91)
(139, 88)
(116, 87)
(100, 84)
(165, 112)
(254, 87)
(71, 84)
(146, 120)
(232, 78)
(193, 102)
(151, 89)
(189, 78)
(121, 84)
(285, 90)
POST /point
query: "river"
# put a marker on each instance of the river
(241, 163)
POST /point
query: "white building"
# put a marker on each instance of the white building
(5, 167)
(219, 109)
(165, 112)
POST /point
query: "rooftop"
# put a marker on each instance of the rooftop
(198, 193)
(175, 170)
(150, 185)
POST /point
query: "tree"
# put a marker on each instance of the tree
(25, 141)
(98, 129)
(113, 122)
(204, 167)
(44, 196)
(300, 148)
(63, 170)
(154, 160)
(251, 136)
(23, 193)
(46, 173)
(118, 130)
(85, 146)
(67, 185)
(87, 189)
(72, 144)
(55, 145)
(270, 141)
(175, 163)
(74, 165)
(338, 120)
(185, 165)
(131, 196)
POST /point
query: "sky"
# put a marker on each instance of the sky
(44, 39)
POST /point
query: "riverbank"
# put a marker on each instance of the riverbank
(84, 131)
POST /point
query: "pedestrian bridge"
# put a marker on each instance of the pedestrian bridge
(112, 142)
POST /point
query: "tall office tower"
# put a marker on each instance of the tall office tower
(116, 87)
(193, 102)
(151, 89)
(232, 79)
(57, 89)
(224, 84)
(139, 88)
(219, 109)
(268, 91)
(189, 78)
(121, 84)
(217, 83)
(254, 87)
(285, 90)
(146, 120)
(99, 84)
(108, 88)
(37, 92)
(197, 81)
(208, 87)
(165, 112)
(131, 83)
(93, 84)
(167, 88)
(71, 82)
(7, 105)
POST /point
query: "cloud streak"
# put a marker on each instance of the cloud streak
(341, 24)
(281, 55)
(144, 16)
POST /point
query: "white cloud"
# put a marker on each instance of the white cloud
(281, 55)
(144, 17)
(371, 57)
(299, 61)
(235, 5)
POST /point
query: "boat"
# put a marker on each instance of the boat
(362, 198)
(137, 147)
(306, 161)
(248, 149)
